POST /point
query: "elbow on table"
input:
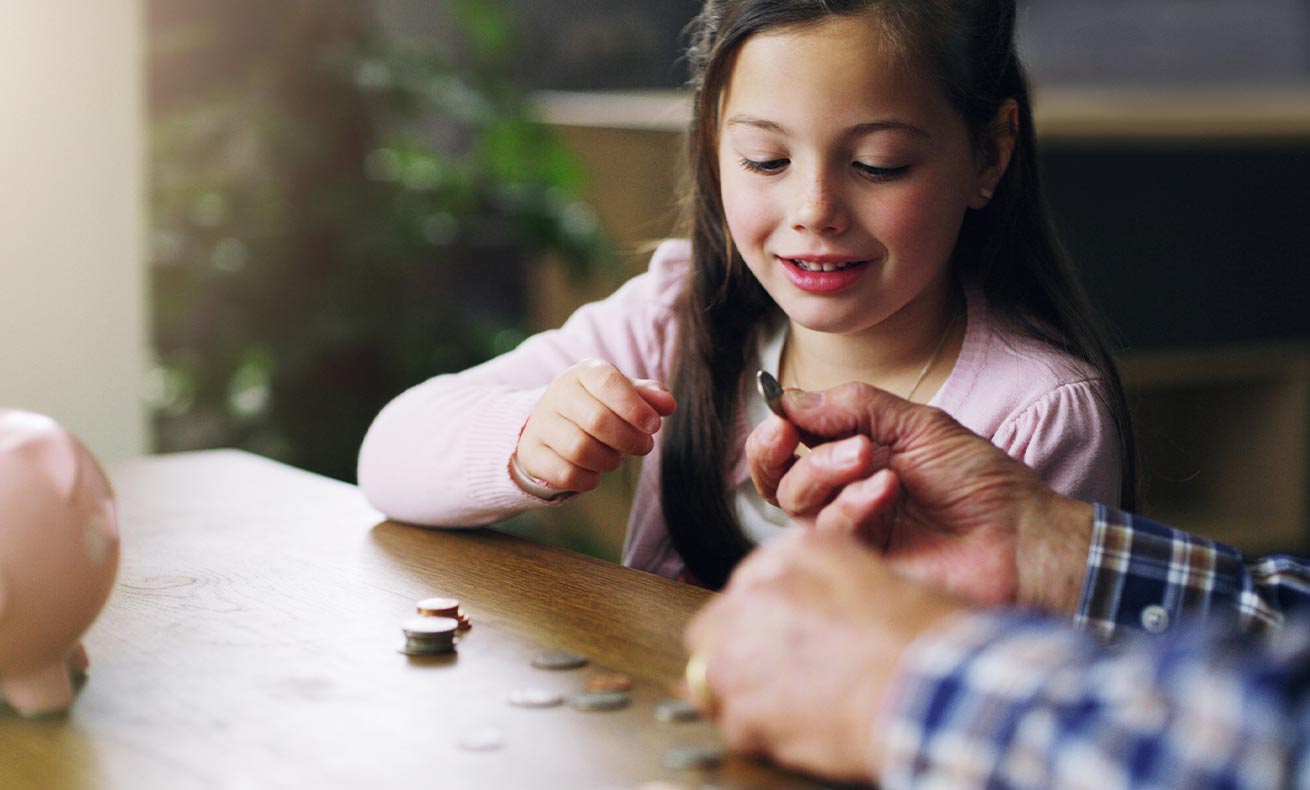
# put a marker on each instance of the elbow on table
(402, 492)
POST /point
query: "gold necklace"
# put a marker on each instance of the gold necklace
(941, 342)
(923, 372)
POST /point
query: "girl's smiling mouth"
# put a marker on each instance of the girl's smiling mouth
(822, 274)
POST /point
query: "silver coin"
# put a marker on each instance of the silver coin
(559, 659)
(670, 711)
(430, 627)
(600, 700)
(427, 647)
(771, 391)
(535, 698)
(482, 739)
(683, 758)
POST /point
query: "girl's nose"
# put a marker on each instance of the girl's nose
(820, 208)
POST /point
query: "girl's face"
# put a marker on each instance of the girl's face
(845, 177)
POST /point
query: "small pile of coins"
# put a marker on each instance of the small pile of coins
(434, 630)
(425, 636)
(445, 607)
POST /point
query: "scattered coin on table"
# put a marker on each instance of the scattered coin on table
(600, 700)
(670, 711)
(683, 758)
(559, 659)
(609, 681)
(425, 636)
(535, 698)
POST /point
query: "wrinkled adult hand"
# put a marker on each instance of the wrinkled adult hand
(801, 646)
(589, 418)
(939, 502)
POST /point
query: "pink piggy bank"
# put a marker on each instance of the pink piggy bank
(58, 558)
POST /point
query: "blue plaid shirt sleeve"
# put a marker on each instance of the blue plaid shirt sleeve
(1012, 700)
(1142, 575)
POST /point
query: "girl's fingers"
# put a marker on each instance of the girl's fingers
(656, 395)
(598, 423)
(545, 464)
(619, 394)
(590, 417)
(577, 447)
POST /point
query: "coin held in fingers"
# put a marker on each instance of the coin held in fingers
(771, 391)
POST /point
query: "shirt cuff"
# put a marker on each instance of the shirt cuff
(1145, 576)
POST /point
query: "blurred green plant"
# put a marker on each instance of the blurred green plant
(336, 217)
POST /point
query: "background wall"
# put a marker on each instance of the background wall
(72, 312)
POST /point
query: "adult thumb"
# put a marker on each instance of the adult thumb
(849, 409)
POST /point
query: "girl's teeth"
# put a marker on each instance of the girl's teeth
(820, 267)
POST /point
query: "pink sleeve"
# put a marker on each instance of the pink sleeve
(438, 454)
(1069, 437)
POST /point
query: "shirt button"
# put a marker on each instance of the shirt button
(1155, 618)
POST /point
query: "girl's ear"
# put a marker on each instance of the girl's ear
(996, 150)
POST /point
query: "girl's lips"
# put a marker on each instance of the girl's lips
(822, 282)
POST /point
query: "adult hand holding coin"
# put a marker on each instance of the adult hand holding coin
(939, 502)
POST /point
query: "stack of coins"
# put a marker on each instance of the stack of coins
(425, 636)
(445, 607)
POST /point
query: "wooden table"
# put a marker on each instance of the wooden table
(252, 642)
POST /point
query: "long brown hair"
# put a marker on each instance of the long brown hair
(1009, 248)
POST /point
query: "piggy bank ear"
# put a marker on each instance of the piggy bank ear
(40, 441)
(18, 427)
(56, 456)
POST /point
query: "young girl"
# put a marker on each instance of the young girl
(865, 206)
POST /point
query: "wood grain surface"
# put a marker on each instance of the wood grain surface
(252, 642)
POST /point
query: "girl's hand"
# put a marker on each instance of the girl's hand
(590, 417)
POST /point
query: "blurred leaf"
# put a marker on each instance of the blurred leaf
(336, 217)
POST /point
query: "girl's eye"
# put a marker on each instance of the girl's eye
(768, 168)
(880, 173)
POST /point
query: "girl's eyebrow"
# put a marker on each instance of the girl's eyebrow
(858, 130)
